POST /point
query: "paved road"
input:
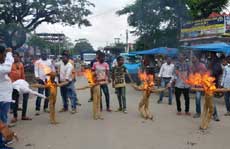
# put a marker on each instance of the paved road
(122, 131)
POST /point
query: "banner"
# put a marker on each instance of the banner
(204, 28)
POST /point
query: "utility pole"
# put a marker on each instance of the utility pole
(117, 40)
(127, 41)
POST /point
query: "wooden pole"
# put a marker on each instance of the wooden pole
(96, 102)
(207, 112)
(144, 103)
(208, 106)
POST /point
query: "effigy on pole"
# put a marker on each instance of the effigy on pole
(147, 88)
(91, 77)
(207, 85)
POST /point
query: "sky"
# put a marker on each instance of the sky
(106, 25)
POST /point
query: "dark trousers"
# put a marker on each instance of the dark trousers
(14, 106)
(105, 90)
(121, 97)
(178, 92)
(38, 101)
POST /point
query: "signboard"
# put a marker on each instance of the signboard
(227, 25)
(52, 37)
(204, 28)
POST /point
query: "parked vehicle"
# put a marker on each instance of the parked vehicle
(87, 57)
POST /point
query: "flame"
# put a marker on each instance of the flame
(49, 82)
(147, 80)
(89, 76)
(195, 79)
(203, 80)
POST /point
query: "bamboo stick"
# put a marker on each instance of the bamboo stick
(207, 112)
(216, 90)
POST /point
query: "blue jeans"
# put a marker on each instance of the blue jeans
(4, 109)
(164, 82)
(68, 91)
(105, 89)
(121, 96)
(41, 91)
(227, 101)
(198, 104)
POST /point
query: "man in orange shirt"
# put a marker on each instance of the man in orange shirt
(17, 72)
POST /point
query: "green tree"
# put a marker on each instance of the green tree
(38, 43)
(116, 49)
(158, 22)
(82, 45)
(28, 14)
(200, 9)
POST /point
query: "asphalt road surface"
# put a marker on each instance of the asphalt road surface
(119, 130)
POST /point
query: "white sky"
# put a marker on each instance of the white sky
(106, 25)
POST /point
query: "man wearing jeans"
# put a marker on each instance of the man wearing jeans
(101, 69)
(226, 84)
(39, 70)
(5, 87)
(67, 91)
(118, 80)
(166, 74)
(198, 67)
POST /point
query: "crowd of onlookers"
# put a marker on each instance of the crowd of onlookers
(171, 75)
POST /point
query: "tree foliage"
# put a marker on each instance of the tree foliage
(116, 49)
(157, 22)
(203, 8)
(82, 45)
(55, 48)
(36, 41)
(29, 14)
(13, 35)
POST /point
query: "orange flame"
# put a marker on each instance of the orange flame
(89, 76)
(49, 83)
(195, 79)
(203, 80)
(147, 80)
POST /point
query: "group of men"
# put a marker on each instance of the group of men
(12, 80)
(174, 75)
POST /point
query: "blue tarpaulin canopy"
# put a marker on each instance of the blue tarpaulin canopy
(215, 47)
(161, 51)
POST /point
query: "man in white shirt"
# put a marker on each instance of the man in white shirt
(166, 73)
(67, 91)
(40, 70)
(6, 61)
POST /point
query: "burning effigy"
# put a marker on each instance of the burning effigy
(147, 87)
(52, 85)
(92, 83)
(207, 85)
